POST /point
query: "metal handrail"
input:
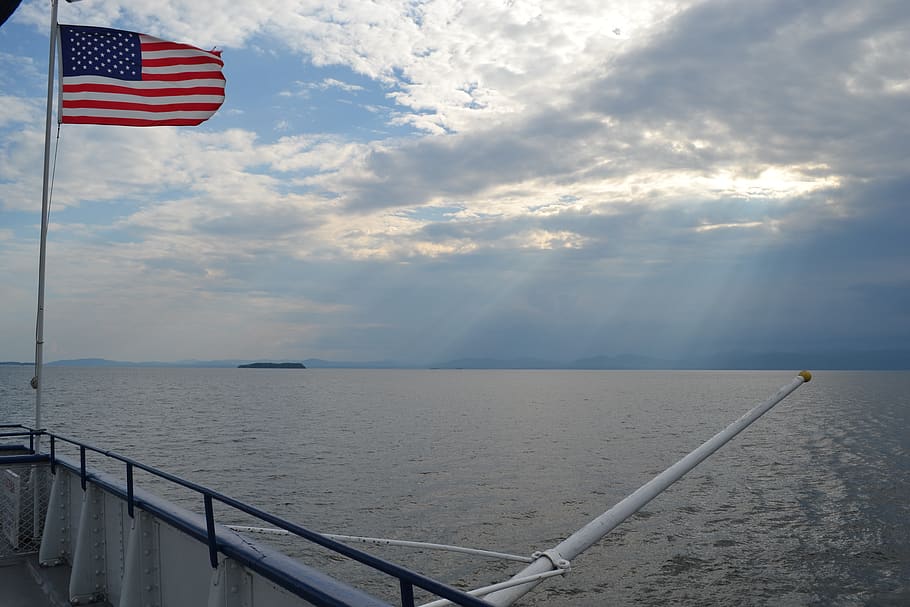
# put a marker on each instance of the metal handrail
(27, 432)
(407, 578)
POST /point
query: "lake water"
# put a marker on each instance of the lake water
(809, 506)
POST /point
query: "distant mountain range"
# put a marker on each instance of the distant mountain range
(846, 360)
(883, 360)
(310, 363)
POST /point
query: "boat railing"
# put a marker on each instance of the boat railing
(18, 431)
(407, 578)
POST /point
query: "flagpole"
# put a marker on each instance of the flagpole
(37, 383)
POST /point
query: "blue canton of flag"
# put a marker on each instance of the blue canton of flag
(96, 51)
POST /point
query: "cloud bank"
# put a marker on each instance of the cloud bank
(526, 180)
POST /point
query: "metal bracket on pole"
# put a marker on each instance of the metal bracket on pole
(557, 559)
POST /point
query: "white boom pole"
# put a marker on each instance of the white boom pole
(560, 556)
(45, 212)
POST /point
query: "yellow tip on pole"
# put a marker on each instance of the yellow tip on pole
(806, 376)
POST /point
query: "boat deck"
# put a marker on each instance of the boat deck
(25, 584)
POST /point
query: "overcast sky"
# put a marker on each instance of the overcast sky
(427, 180)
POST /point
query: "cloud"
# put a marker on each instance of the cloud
(717, 174)
(16, 111)
(303, 89)
(449, 60)
(766, 76)
(331, 83)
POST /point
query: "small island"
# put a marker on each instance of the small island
(272, 366)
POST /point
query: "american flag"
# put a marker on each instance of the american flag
(118, 77)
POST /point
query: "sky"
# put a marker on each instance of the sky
(427, 180)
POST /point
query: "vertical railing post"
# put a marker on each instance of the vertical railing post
(129, 488)
(31, 441)
(407, 593)
(82, 464)
(210, 528)
(53, 455)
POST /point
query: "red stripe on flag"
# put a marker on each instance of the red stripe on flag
(147, 47)
(131, 121)
(140, 107)
(168, 61)
(156, 44)
(126, 90)
(149, 77)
